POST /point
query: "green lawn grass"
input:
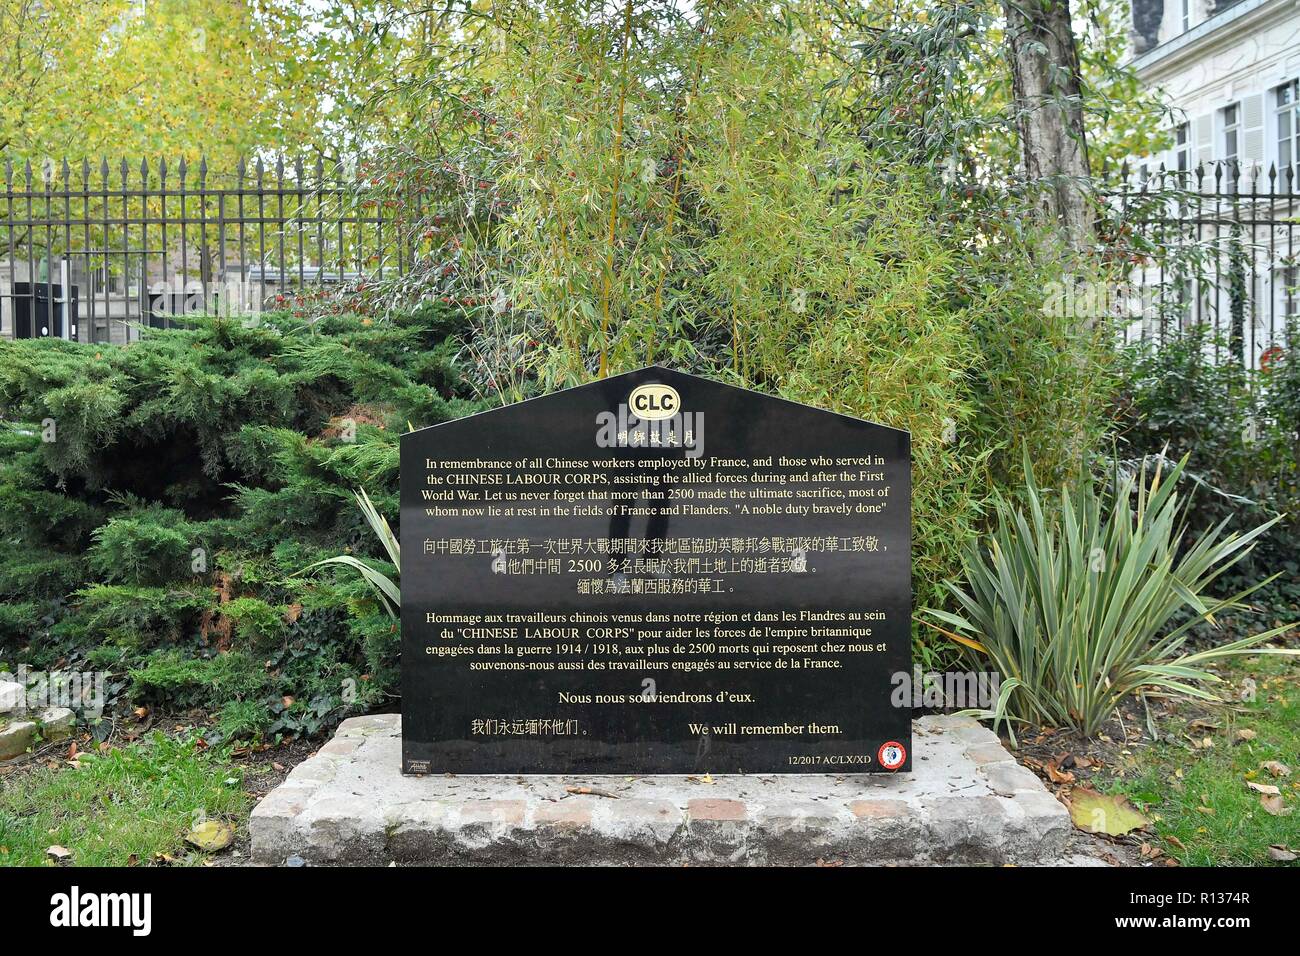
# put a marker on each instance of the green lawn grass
(1199, 795)
(119, 807)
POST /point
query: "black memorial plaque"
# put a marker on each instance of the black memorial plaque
(655, 573)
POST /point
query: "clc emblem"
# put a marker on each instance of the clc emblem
(653, 402)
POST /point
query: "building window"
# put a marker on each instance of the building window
(1182, 149)
(1187, 15)
(1287, 101)
(1231, 132)
(1231, 147)
(107, 280)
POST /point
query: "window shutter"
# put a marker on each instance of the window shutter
(1252, 129)
(1203, 140)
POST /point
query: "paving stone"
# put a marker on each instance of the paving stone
(505, 812)
(938, 723)
(56, 722)
(15, 738)
(984, 754)
(976, 735)
(563, 813)
(13, 697)
(715, 809)
(878, 809)
(964, 803)
(341, 746)
(1008, 778)
(1046, 817)
(655, 822)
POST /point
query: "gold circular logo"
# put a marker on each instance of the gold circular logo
(652, 402)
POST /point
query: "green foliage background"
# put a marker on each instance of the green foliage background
(798, 198)
(193, 474)
(1241, 432)
(783, 197)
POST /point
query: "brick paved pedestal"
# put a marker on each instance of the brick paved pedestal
(967, 801)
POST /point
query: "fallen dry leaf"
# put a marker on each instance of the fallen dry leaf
(1110, 814)
(211, 836)
(1058, 776)
(591, 792)
(1280, 854)
(1245, 733)
(1276, 768)
(1274, 806)
(1266, 788)
(59, 854)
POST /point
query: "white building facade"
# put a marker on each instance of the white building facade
(1230, 72)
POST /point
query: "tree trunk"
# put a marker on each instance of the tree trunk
(1049, 113)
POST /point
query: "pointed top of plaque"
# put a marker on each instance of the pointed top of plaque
(696, 394)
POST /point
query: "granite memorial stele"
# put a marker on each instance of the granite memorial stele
(655, 573)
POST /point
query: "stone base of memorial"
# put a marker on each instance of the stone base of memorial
(965, 801)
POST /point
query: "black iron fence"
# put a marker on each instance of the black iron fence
(95, 253)
(1214, 246)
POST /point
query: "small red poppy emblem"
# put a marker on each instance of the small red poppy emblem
(892, 755)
